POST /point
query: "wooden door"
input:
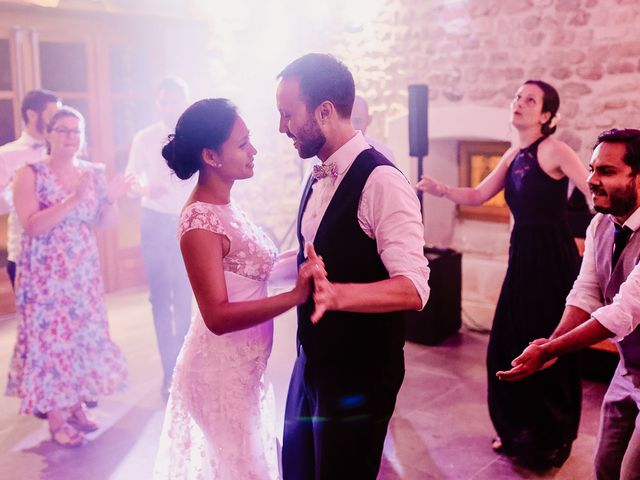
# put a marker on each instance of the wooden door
(11, 87)
(106, 66)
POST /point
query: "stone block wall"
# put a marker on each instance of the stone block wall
(472, 52)
(478, 52)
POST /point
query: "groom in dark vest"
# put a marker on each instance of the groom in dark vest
(362, 217)
(605, 301)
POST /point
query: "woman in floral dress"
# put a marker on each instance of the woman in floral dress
(63, 353)
(220, 421)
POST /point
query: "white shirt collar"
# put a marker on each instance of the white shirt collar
(27, 139)
(347, 153)
(633, 222)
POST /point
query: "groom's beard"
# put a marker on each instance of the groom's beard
(310, 138)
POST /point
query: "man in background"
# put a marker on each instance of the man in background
(604, 302)
(361, 119)
(37, 108)
(162, 197)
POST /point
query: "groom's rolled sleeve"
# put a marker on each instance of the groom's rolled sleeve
(389, 212)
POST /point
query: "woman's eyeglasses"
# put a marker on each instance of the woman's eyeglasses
(67, 131)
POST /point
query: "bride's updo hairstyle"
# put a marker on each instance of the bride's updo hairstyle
(205, 124)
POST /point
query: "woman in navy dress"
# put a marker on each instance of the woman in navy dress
(536, 420)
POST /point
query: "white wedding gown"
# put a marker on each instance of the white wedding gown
(220, 417)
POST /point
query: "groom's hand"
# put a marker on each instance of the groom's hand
(325, 297)
(325, 294)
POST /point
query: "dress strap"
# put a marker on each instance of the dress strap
(534, 146)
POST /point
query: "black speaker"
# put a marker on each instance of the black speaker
(442, 316)
(418, 120)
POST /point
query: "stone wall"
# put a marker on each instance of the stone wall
(470, 53)
(478, 52)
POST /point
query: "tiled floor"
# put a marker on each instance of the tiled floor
(441, 429)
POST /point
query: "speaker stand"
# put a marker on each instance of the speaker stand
(418, 190)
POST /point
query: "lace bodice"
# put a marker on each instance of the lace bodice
(252, 253)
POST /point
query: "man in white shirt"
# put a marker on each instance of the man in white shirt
(162, 197)
(37, 108)
(605, 301)
(361, 119)
(362, 216)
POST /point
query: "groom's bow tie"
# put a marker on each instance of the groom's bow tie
(324, 170)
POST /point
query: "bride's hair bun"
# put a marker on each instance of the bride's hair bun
(205, 124)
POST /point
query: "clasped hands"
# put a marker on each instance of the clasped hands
(118, 186)
(532, 359)
(312, 274)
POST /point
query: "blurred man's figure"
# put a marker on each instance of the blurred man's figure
(360, 119)
(162, 197)
(37, 108)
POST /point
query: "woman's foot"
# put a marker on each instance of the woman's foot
(79, 420)
(66, 436)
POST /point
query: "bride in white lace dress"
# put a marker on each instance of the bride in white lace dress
(219, 422)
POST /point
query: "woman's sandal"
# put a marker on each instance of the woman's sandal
(81, 422)
(66, 436)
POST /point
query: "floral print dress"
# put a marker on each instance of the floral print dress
(63, 353)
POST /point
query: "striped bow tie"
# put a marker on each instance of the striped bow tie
(323, 171)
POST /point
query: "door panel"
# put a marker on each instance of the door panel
(107, 66)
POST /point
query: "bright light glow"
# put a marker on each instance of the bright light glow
(251, 42)
(46, 3)
(357, 14)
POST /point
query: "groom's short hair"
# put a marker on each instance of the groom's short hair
(323, 78)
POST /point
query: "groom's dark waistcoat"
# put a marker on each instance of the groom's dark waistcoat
(350, 256)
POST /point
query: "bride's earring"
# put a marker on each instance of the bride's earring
(210, 158)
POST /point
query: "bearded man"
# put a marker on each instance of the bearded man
(37, 108)
(605, 302)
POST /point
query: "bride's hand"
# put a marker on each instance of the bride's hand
(325, 294)
(432, 186)
(312, 269)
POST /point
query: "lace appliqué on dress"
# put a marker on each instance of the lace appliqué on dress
(252, 253)
(521, 165)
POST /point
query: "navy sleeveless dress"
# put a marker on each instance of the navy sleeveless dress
(536, 419)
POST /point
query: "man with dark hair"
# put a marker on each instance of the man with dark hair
(605, 301)
(362, 216)
(163, 196)
(37, 108)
